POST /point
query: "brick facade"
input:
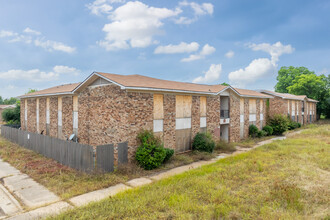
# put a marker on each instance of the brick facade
(42, 115)
(53, 115)
(195, 115)
(234, 129)
(169, 120)
(67, 116)
(213, 116)
(22, 114)
(32, 115)
(258, 113)
(246, 118)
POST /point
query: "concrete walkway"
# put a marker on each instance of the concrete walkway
(36, 199)
(18, 192)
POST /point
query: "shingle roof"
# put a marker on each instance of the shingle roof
(289, 96)
(7, 106)
(139, 82)
(247, 92)
(149, 82)
(62, 89)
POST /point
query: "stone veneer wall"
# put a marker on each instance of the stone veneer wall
(32, 115)
(108, 114)
(258, 113)
(169, 121)
(195, 116)
(42, 115)
(22, 115)
(53, 115)
(234, 128)
(277, 105)
(213, 116)
(67, 116)
(246, 117)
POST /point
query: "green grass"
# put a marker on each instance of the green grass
(67, 182)
(287, 179)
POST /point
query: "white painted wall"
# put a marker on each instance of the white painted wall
(158, 125)
(182, 123)
(203, 122)
(252, 117)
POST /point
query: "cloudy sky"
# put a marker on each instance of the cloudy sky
(244, 43)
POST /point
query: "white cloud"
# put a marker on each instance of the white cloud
(4, 33)
(261, 67)
(37, 75)
(179, 48)
(275, 50)
(134, 24)
(53, 45)
(33, 36)
(213, 74)
(256, 69)
(206, 50)
(99, 7)
(31, 31)
(198, 9)
(230, 54)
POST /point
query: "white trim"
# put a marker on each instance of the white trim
(182, 123)
(261, 116)
(202, 122)
(252, 117)
(75, 120)
(49, 94)
(59, 118)
(47, 117)
(241, 118)
(158, 125)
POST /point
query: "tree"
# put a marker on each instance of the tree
(225, 84)
(286, 75)
(12, 115)
(31, 91)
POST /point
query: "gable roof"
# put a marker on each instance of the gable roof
(288, 96)
(144, 83)
(7, 106)
(252, 93)
(138, 82)
(56, 90)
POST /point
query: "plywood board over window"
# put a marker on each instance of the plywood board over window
(75, 103)
(202, 106)
(261, 105)
(241, 106)
(158, 106)
(183, 106)
(252, 106)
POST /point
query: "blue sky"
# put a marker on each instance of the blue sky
(244, 43)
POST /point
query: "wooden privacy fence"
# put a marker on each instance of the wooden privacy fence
(75, 155)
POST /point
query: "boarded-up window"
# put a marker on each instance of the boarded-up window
(75, 103)
(183, 106)
(158, 106)
(293, 105)
(47, 111)
(203, 106)
(241, 106)
(252, 106)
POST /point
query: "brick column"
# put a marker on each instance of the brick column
(169, 121)
(195, 116)
(213, 116)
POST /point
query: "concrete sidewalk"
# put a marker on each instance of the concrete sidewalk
(18, 192)
(81, 200)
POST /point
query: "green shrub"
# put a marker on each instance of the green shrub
(261, 133)
(203, 142)
(268, 129)
(151, 153)
(279, 123)
(253, 130)
(12, 114)
(293, 125)
(169, 154)
(150, 156)
(225, 146)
